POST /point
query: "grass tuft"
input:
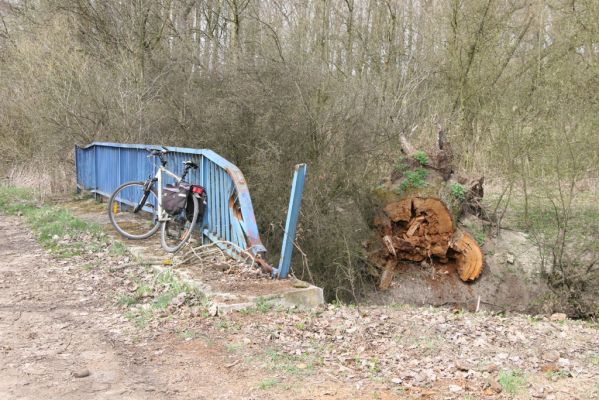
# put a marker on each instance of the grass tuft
(57, 229)
(268, 383)
(512, 381)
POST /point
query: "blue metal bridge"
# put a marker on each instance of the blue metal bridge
(229, 217)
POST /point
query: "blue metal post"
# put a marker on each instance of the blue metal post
(77, 170)
(96, 195)
(295, 202)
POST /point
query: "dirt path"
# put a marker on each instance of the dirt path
(61, 317)
(54, 322)
(57, 320)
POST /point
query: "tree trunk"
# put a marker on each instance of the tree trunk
(417, 213)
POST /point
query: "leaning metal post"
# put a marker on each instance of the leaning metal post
(295, 202)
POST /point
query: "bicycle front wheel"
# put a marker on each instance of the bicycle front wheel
(133, 211)
(177, 230)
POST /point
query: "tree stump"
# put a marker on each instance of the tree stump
(416, 218)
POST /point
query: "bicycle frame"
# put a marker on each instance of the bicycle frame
(162, 216)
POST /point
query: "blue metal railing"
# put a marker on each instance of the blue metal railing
(295, 202)
(229, 216)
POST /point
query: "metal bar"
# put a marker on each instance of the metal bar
(96, 170)
(214, 203)
(118, 165)
(134, 204)
(223, 205)
(295, 202)
(77, 170)
(227, 214)
(223, 247)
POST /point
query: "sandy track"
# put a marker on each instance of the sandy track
(56, 319)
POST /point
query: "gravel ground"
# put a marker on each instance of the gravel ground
(100, 326)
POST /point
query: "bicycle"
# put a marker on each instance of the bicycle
(177, 221)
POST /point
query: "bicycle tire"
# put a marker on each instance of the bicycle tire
(135, 226)
(174, 223)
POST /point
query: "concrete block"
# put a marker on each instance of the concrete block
(309, 297)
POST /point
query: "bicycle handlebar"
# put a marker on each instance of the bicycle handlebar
(161, 153)
(155, 152)
(158, 153)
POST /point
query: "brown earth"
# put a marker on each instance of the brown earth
(57, 320)
(60, 318)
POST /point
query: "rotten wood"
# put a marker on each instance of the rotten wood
(417, 221)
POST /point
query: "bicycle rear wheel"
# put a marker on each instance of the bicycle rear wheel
(177, 230)
(132, 224)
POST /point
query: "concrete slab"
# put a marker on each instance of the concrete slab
(229, 285)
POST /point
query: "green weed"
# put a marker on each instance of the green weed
(143, 290)
(127, 300)
(400, 166)
(374, 365)
(300, 326)
(233, 347)
(399, 306)
(173, 287)
(291, 364)
(57, 229)
(263, 305)
(512, 381)
(480, 237)
(429, 344)
(15, 201)
(458, 191)
(89, 266)
(413, 179)
(557, 374)
(189, 334)
(421, 157)
(118, 249)
(268, 383)
(477, 233)
(141, 318)
(534, 319)
(227, 325)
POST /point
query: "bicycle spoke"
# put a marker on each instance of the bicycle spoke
(123, 203)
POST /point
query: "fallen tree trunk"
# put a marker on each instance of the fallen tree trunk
(416, 220)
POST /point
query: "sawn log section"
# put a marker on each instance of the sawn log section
(416, 221)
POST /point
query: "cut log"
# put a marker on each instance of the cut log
(420, 229)
(469, 257)
(416, 219)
